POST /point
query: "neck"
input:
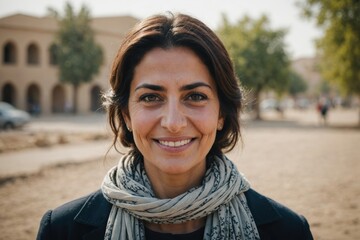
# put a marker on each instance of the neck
(172, 185)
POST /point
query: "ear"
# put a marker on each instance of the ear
(220, 124)
(127, 121)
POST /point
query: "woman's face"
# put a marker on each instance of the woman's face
(174, 111)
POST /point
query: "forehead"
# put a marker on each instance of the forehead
(174, 65)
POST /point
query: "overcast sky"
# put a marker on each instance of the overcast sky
(282, 14)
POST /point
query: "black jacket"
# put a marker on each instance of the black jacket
(86, 218)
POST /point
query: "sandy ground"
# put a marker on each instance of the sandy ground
(311, 169)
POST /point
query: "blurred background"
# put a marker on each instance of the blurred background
(297, 61)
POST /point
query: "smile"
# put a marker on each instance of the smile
(175, 143)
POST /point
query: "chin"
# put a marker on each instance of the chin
(179, 167)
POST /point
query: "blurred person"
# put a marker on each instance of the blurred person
(175, 102)
(323, 109)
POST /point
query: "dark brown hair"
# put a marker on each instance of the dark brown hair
(168, 31)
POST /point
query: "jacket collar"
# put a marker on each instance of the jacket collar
(95, 213)
(262, 208)
(96, 209)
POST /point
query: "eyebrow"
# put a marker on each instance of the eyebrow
(183, 88)
(151, 87)
(194, 85)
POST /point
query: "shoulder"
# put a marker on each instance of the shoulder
(276, 221)
(76, 218)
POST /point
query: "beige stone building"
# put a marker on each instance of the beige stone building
(309, 70)
(29, 74)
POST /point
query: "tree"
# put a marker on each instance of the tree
(339, 47)
(78, 56)
(296, 84)
(259, 55)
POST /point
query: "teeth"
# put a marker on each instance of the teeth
(175, 144)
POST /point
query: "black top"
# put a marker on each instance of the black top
(86, 219)
(197, 235)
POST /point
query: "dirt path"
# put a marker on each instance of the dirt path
(314, 171)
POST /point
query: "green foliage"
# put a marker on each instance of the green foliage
(324, 88)
(78, 56)
(340, 45)
(296, 84)
(258, 53)
(53, 54)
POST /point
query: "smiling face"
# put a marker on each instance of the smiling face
(174, 112)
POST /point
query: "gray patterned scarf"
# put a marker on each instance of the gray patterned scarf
(220, 199)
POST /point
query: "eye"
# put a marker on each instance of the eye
(197, 97)
(148, 98)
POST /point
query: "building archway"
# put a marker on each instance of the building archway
(33, 54)
(58, 99)
(9, 94)
(96, 104)
(33, 97)
(9, 53)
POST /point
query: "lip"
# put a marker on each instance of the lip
(174, 144)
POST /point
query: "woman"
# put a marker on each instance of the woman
(175, 102)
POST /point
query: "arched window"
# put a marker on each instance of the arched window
(33, 55)
(9, 94)
(9, 53)
(33, 99)
(53, 58)
(58, 99)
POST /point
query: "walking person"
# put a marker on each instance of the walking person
(323, 109)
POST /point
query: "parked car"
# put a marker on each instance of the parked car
(11, 118)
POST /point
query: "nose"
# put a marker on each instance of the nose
(173, 119)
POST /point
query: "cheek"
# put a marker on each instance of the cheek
(142, 123)
(206, 122)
